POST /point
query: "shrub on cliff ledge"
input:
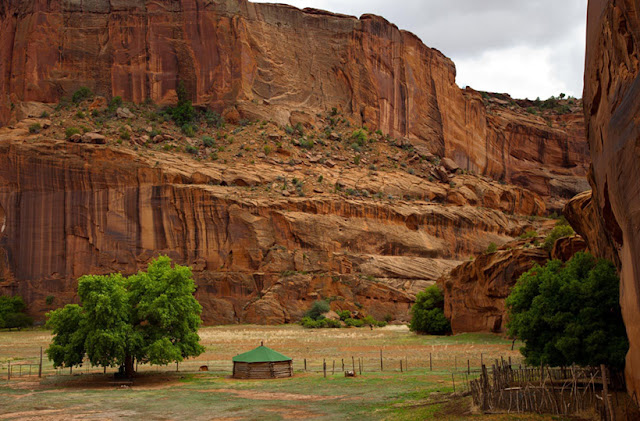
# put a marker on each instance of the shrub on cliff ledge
(427, 314)
(569, 313)
(148, 317)
(559, 231)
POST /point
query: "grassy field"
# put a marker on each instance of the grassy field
(163, 393)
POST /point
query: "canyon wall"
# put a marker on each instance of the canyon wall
(71, 209)
(277, 62)
(612, 107)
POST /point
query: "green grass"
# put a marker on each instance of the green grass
(388, 395)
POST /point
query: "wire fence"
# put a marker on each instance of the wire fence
(370, 362)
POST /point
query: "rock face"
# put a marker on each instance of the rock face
(277, 62)
(68, 209)
(476, 290)
(612, 107)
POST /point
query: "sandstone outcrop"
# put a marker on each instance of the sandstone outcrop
(476, 290)
(276, 62)
(612, 107)
(70, 209)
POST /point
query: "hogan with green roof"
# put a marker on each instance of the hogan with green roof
(262, 363)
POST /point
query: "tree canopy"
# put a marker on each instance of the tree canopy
(427, 314)
(151, 317)
(569, 313)
(12, 313)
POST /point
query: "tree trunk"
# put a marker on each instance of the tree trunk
(128, 366)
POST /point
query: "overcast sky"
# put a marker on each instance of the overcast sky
(525, 48)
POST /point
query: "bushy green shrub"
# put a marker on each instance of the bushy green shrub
(427, 314)
(188, 130)
(208, 141)
(323, 323)
(183, 113)
(353, 322)
(49, 299)
(559, 231)
(370, 321)
(70, 131)
(492, 248)
(214, 119)
(35, 128)
(115, 103)
(359, 137)
(307, 143)
(81, 94)
(191, 149)
(318, 308)
(344, 314)
(12, 313)
(528, 234)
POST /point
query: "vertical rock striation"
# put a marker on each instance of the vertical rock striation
(277, 62)
(612, 107)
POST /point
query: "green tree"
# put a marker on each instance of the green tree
(12, 313)
(317, 309)
(149, 317)
(569, 313)
(427, 314)
(183, 113)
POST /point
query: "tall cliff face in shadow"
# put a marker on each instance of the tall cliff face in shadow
(612, 107)
(278, 62)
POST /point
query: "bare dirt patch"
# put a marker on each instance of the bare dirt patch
(268, 396)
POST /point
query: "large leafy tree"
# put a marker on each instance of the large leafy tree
(569, 313)
(12, 313)
(427, 314)
(150, 317)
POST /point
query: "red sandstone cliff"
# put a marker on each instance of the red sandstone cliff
(612, 106)
(278, 62)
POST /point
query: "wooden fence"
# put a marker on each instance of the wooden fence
(546, 390)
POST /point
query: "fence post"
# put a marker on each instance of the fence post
(361, 364)
(9, 371)
(381, 365)
(430, 365)
(40, 367)
(343, 365)
(333, 369)
(468, 368)
(353, 364)
(605, 394)
(324, 367)
(177, 369)
(401, 366)
(305, 365)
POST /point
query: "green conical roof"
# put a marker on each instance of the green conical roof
(261, 354)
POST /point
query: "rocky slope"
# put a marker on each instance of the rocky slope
(276, 62)
(612, 106)
(269, 219)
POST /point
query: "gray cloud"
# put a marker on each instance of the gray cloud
(468, 30)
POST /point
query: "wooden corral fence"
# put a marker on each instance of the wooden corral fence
(546, 390)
